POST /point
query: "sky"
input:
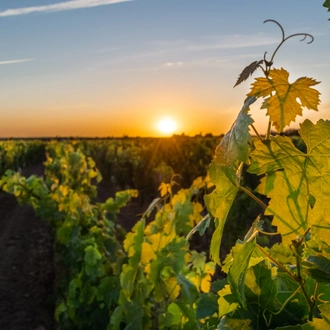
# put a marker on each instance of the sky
(116, 67)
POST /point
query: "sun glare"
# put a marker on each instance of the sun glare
(167, 126)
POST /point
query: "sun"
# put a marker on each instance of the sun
(167, 126)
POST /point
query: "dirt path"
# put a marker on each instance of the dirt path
(26, 268)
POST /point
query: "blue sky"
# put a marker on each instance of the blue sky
(108, 68)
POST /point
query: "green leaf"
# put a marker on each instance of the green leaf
(325, 312)
(227, 302)
(234, 147)
(173, 315)
(242, 254)
(234, 324)
(297, 308)
(190, 315)
(198, 260)
(318, 267)
(293, 179)
(207, 305)
(183, 207)
(219, 202)
(261, 287)
(225, 173)
(92, 256)
(188, 291)
(326, 4)
(108, 290)
(132, 245)
(200, 227)
(282, 253)
(218, 285)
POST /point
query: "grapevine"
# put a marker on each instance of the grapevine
(296, 185)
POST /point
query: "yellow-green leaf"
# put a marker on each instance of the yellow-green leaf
(282, 97)
(298, 184)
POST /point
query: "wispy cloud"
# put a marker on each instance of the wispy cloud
(234, 61)
(16, 61)
(212, 62)
(68, 5)
(221, 42)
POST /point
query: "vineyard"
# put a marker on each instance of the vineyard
(201, 232)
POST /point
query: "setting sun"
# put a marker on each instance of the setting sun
(167, 126)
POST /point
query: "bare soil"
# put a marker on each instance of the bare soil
(26, 268)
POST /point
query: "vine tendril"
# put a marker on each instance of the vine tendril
(284, 39)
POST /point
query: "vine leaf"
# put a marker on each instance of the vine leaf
(225, 173)
(219, 202)
(293, 179)
(234, 324)
(133, 247)
(317, 267)
(242, 254)
(262, 288)
(281, 102)
(325, 312)
(248, 71)
(326, 4)
(234, 145)
(200, 227)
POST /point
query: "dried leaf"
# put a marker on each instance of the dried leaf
(248, 71)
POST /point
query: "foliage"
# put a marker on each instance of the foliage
(326, 4)
(285, 286)
(19, 154)
(143, 163)
(162, 278)
(85, 233)
(149, 279)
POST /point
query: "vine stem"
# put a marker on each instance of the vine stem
(255, 131)
(268, 322)
(268, 234)
(297, 245)
(277, 263)
(268, 130)
(249, 193)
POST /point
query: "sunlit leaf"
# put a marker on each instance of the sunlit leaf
(242, 254)
(294, 178)
(282, 97)
(219, 202)
(234, 145)
(227, 301)
(225, 172)
(234, 324)
(262, 287)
